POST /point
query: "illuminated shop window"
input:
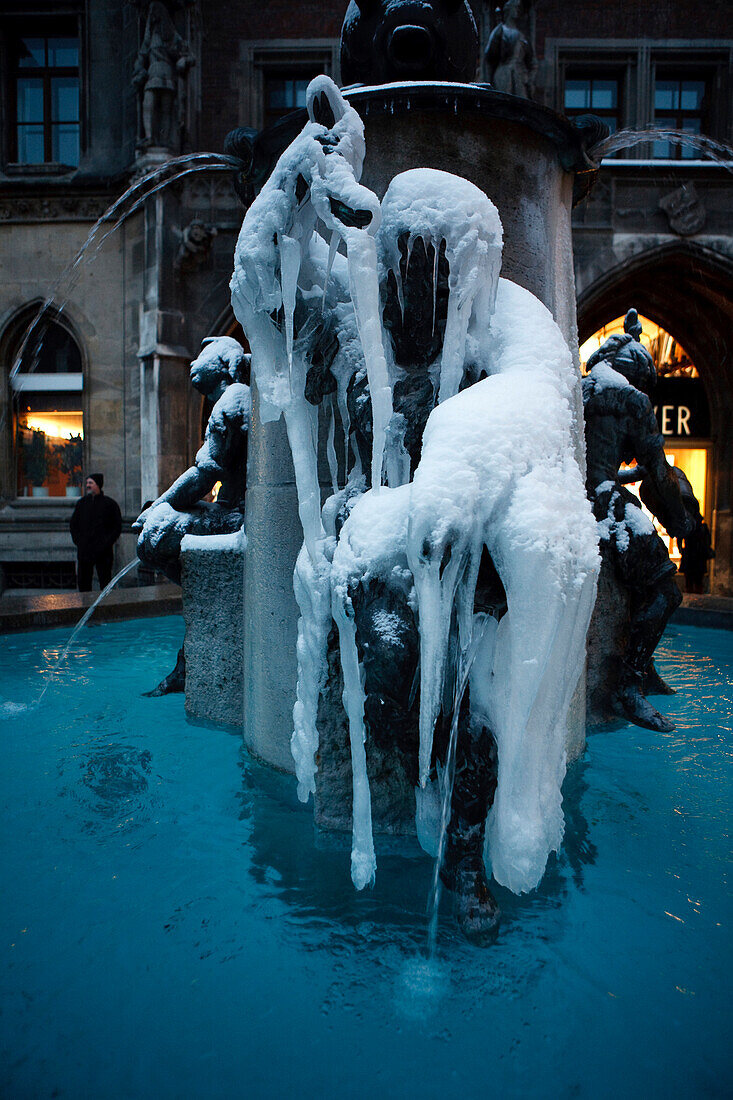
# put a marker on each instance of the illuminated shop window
(47, 415)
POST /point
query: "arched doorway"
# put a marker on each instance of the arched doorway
(687, 292)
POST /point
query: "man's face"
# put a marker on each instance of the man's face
(92, 487)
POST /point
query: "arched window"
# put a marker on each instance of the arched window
(47, 415)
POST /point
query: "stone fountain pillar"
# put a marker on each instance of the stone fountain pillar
(526, 158)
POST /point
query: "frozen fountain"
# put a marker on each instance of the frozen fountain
(411, 194)
(421, 555)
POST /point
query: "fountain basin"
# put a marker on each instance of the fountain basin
(170, 930)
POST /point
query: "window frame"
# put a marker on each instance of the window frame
(572, 70)
(259, 58)
(681, 69)
(640, 59)
(20, 22)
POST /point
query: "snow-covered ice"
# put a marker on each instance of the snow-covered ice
(499, 469)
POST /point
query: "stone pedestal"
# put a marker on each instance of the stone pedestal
(213, 569)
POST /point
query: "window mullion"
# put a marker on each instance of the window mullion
(47, 127)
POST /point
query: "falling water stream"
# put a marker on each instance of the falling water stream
(127, 204)
(8, 709)
(718, 151)
(465, 664)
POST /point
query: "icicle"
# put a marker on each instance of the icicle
(332, 250)
(345, 425)
(289, 272)
(433, 648)
(454, 346)
(299, 418)
(312, 592)
(435, 585)
(363, 859)
(330, 448)
(436, 248)
(364, 288)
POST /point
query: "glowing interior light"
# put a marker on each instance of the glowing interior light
(670, 358)
(58, 425)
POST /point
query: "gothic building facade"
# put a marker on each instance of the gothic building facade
(96, 94)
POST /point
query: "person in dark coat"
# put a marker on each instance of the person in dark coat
(95, 527)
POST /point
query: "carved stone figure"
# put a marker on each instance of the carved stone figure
(391, 40)
(510, 59)
(620, 426)
(217, 373)
(195, 247)
(160, 68)
(684, 209)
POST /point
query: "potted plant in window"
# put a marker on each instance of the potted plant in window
(70, 463)
(35, 461)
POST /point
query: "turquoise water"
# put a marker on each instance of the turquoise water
(169, 928)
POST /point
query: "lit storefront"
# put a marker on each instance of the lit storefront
(681, 408)
(48, 422)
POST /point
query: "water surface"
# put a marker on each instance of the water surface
(169, 928)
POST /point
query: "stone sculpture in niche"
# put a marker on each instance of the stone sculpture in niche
(510, 59)
(620, 426)
(160, 68)
(685, 210)
(196, 241)
(387, 40)
(218, 373)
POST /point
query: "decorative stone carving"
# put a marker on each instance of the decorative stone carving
(70, 208)
(195, 247)
(684, 209)
(159, 77)
(509, 57)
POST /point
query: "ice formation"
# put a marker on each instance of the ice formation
(498, 469)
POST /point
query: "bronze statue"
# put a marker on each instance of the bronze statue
(391, 40)
(620, 426)
(510, 59)
(218, 373)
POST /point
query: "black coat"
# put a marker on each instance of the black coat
(95, 525)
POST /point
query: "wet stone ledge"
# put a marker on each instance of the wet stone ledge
(66, 608)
